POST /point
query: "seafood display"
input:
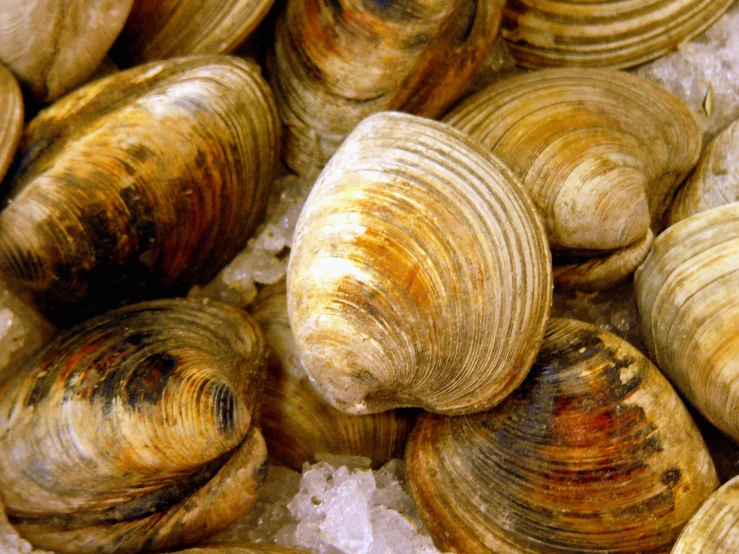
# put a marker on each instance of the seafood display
(342, 254)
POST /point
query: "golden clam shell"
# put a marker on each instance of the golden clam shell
(158, 29)
(54, 45)
(715, 180)
(297, 422)
(140, 183)
(688, 308)
(11, 118)
(419, 275)
(615, 33)
(594, 452)
(134, 430)
(250, 549)
(713, 529)
(600, 152)
(336, 62)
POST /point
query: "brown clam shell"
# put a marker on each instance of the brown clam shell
(246, 549)
(594, 452)
(11, 118)
(54, 45)
(297, 422)
(159, 29)
(134, 430)
(335, 62)
(140, 184)
(615, 33)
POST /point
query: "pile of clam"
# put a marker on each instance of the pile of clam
(414, 319)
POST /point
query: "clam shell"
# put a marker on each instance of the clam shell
(714, 527)
(600, 152)
(616, 33)
(140, 184)
(594, 452)
(419, 275)
(336, 62)
(54, 45)
(247, 549)
(159, 29)
(297, 422)
(688, 308)
(134, 430)
(11, 117)
(715, 181)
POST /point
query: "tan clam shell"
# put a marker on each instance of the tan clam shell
(715, 180)
(246, 549)
(594, 452)
(134, 430)
(11, 118)
(54, 45)
(297, 422)
(600, 152)
(616, 33)
(336, 62)
(714, 527)
(688, 308)
(408, 263)
(158, 29)
(140, 184)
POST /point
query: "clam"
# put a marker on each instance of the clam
(419, 275)
(139, 184)
(600, 152)
(54, 45)
(134, 431)
(616, 33)
(714, 527)
(336, 62)
(158, 29)
(594, 452)
(11, 117)
(715, 181)
(688, 308)
(247, 549)
(297, 422)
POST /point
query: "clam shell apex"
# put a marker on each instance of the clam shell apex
(409, 262)
(141, 183)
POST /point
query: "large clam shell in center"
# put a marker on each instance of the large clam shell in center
(420, 273)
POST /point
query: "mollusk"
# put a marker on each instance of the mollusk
(600, 152)
(11, 117)
(336, 62)
(594, 452)
(143, 182)
(134, 431)
(158, 29)
(616, 33)
(715, 180)
(54, 45)
(420, 274)
(688, 308)
(297, 422)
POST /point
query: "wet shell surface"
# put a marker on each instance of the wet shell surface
(594, 452)
(715, 527)
(54, 45)
(688, 308)
(134, 430)
(336, 62)
(11, 117)
(297, 422)
(141, 183)
(600, 152)
(419, 275)
(615, 33)
(715, 181)
(159, 29)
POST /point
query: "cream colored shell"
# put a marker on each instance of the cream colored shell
(54, 45)
(615, 33)
(420, 274)
(686, 291)
(715, 181)
(11, 118)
